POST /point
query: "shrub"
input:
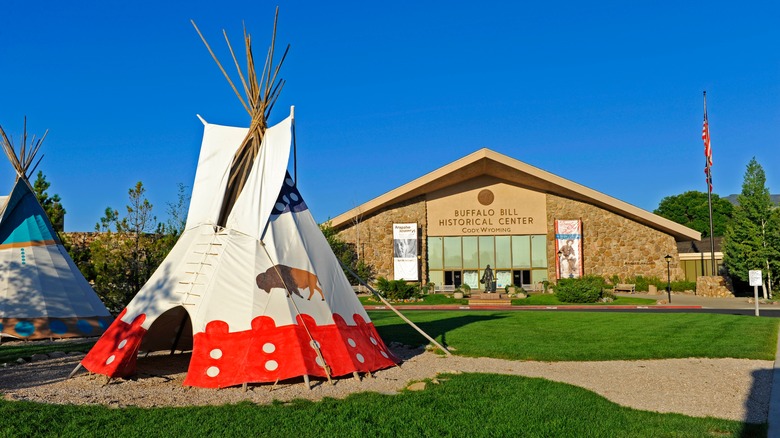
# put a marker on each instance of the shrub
(587, 289)
(396, 289)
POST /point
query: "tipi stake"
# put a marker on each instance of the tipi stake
(306, 381)
(75, 370)
(274, 386)
(384, 301)
(356, 375)
(244, 386)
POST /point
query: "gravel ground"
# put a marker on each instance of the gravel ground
(735, 389)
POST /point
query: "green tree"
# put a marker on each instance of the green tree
(692, 210)
(128, 250)
(751, 240)
(52, 205)
(346, 253)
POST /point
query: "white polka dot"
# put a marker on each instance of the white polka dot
(289, 182)
(285, 199)
(294, 197)
(110, 359)
(279, 206)
(320, 362)
(351, 342)
(384, 354)
(212, 372)
(216, 353)
(360, 358)
(269, 348)
(373, 341)
(271, 365)
(314, 344)
(122, 344)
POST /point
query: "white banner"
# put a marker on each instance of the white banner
(568, 246)
(405, 252)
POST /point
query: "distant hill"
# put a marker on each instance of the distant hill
(733, 199)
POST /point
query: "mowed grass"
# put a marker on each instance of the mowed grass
(586, 336)
(473, 405)
(11, 352)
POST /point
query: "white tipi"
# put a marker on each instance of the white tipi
(42, 292)
(252, 286)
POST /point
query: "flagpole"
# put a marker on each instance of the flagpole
(707, 158)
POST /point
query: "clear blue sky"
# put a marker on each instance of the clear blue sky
(606, 94)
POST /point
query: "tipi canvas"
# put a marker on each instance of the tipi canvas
(42, 292)
(252, 286)
(264, 296)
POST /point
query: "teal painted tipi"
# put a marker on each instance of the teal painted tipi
(42, 292)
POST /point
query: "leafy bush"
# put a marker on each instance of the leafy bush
(396, 289)
(587, 289)
(683, 285)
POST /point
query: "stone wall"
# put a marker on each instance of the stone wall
(714, 286)
(612, 244)
(79, 239)
(373, 235)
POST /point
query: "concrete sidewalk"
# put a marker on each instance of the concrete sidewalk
(706, 302)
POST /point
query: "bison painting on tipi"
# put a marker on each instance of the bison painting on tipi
(252, 286)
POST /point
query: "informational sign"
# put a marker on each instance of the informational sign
(755, 277)
(405, 252)
(568, 247)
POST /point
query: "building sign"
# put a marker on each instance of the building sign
(568, 247)
(484, 207)
(405, 252)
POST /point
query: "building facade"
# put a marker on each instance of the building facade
(528, 225)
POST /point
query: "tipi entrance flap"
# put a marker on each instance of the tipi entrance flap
(219, 145)
(256, 201)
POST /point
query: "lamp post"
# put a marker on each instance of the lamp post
(668, 259)
(560, 264)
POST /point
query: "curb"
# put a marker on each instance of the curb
(489, 307)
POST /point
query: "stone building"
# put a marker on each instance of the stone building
(529, 225)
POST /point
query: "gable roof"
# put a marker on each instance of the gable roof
(491, 163)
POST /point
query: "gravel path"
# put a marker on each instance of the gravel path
(736, 389)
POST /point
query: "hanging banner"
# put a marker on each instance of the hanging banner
(405, 252)
(568, 247)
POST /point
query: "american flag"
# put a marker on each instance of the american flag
(705, 135)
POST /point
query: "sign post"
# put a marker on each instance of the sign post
(755, 281)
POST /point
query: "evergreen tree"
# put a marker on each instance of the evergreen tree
(128, 250)
(346, 253)
(751, 240)
(51, 205)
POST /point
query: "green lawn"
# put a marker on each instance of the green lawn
(559, 336)
(478, 405)
(11, 352)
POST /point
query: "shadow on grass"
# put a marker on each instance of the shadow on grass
(438, 328)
